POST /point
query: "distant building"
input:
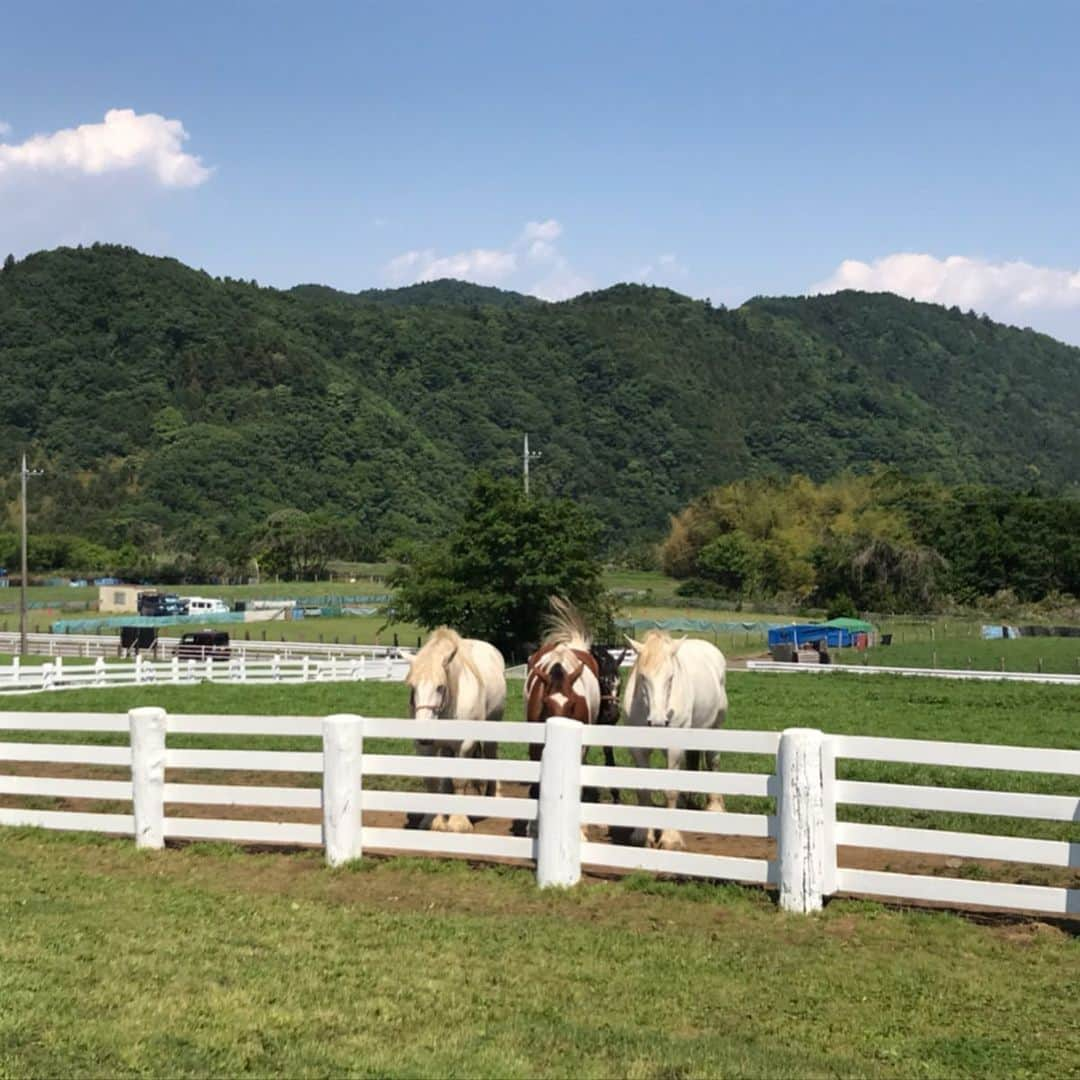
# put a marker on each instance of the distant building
(118, 599)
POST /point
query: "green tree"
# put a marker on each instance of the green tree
(494, 576)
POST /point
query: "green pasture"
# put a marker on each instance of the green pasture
(202, 962)
(1017, 654)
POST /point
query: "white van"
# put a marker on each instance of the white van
(201, 605)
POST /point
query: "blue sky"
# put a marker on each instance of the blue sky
(723, 149)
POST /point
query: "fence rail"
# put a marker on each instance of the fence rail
(89, 646)
(55, 675)
(785, 668)
(802, 784)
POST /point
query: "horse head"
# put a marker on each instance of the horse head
(655, 679)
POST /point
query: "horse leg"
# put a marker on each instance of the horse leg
(641, 837)
(518, 826)
(716, 800)
(671, 839)
(693, 763)
(433, 785)
(609, 761)
(460, 823)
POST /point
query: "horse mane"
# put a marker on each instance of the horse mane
(429, 661)
(566, 626)
(656, 651)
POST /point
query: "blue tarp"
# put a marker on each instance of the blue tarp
(804, 633)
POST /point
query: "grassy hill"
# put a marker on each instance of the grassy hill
(176, 410)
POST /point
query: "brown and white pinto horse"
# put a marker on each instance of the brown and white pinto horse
(564, 677)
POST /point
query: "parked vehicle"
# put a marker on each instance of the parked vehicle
(158, 605)
(201, 605)
(200, 644)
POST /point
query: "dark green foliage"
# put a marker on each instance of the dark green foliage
(176, 413)
(494, 576)
(442, 293)
(877, 543)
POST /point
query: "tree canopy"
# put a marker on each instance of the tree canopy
(179, 412)
(494, 576)
(880, 542)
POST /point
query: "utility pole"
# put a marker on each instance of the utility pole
(25, 473)
(525, 461)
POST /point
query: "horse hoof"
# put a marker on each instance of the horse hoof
(459, 823)
(715, 803)
(439, 824)
(671, 840)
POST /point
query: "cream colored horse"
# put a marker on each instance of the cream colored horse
(456, 678)
(678, 684)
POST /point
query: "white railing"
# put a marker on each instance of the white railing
(89, 646)
(56, 675)
(938, 673)
(805, 826)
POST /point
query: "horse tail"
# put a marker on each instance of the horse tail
(566, 625)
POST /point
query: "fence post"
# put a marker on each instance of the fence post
(558, 846)
(15, 676)
(58, 671)
(800, 812)
(175, 668)
(343, 751)
(148, 775)
(275, 667)
(209, 662)
(99, 671)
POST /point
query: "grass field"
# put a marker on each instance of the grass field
(211, 960)
(1019, 654)
(198, 962)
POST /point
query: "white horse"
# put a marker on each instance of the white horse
(456, 678)
(678, 684)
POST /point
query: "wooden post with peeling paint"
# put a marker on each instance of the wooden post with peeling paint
(803, 839)
(343, 755)
(558, 845)
(148, 776)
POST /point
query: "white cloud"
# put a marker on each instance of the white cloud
(542, 230)
(533, 247)
(562, 284)
(124, 142)
(665, 270)
(482, 265)
(1008, 289)
(5, 128)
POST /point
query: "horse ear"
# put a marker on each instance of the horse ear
(450, 657)
(679, 644)
(635, 645)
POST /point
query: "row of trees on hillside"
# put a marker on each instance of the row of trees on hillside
(177, 412)
(875, 542)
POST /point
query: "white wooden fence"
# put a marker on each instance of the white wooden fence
(89, 646)
(785, 668)
(805, 825)
(56, 675)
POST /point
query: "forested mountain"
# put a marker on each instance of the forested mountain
(179, 411)
(445, 291)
